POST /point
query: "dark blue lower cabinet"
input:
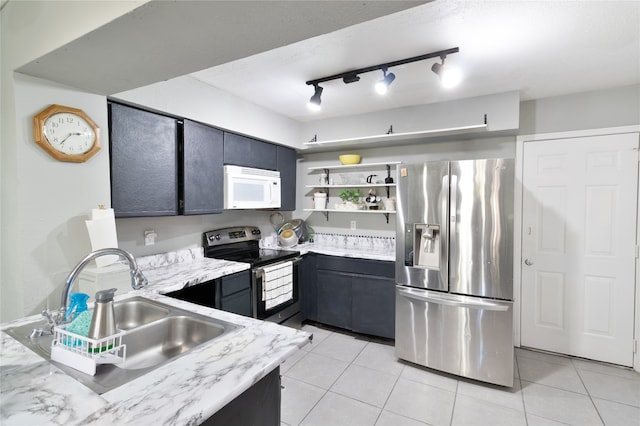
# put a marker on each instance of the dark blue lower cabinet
(373, 307)
(308, 287)
(234, 293)
(349, 296)
(257, 406)
(334, 298)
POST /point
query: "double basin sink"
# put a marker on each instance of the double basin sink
(156, 333)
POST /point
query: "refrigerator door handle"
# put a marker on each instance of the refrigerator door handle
(454, 204)
(459, 301)
(444, 233)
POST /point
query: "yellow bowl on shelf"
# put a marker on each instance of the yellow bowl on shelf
(350, 159)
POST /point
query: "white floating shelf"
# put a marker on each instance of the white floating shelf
(386, 139)
(355, 166)
(348, 211)
(352, 185)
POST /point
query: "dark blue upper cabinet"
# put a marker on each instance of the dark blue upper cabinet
(144, 162)
(287, 169)
(243, 151)
(202, 169)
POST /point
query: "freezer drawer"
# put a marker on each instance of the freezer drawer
(467, 336)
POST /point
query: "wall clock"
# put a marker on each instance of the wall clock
(67, 134)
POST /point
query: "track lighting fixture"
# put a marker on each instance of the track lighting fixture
(383, 85)
(314, 101)
(449, 77)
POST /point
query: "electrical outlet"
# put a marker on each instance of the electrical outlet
(150, 237)
(353, 225)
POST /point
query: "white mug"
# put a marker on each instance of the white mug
(390, 204)
(320, 200)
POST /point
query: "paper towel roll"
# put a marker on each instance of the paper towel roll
(102, 233)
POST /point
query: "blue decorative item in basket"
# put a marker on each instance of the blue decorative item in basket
(77, 305)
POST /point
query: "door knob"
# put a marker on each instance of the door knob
(528, 262)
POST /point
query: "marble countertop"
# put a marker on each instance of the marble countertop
(356, 246)
(187, 390)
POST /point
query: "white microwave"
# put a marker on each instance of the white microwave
(249, 188)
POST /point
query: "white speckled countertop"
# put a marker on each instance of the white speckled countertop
(187, 390)
(345, 245)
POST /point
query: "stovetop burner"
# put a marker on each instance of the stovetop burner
(241, 244)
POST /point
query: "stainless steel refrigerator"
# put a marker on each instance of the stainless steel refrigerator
(454, 267)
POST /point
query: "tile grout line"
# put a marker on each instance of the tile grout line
(588, 392)
(455, 398)
(524, 403)
(334, 382)
(389, 396)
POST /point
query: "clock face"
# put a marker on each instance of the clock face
(69, 133)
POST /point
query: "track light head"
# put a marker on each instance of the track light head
(314, 101)
(449, 77)
(382, 86)
(350, 78)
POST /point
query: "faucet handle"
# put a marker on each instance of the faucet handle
(53, 318)
(138, 280)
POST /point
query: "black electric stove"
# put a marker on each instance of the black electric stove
(241, 244)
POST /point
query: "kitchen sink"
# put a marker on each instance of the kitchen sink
(132, 313)
(156, 333)
(162, 340)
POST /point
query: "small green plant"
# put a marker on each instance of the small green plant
(352, 195)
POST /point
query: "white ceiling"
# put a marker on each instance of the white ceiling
(540, 48)
(266, 50)
(164, 39)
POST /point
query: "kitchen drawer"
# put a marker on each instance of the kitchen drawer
(357, 266)
(237, 303)
(234, 283)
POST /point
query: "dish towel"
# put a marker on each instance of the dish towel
(277, 284)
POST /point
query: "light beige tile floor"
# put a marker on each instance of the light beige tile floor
(349, 379)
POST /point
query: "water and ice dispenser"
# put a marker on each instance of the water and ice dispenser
(426, 246)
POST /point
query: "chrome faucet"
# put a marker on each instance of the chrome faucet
(138, 280)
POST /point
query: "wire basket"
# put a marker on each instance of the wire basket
(83, 353)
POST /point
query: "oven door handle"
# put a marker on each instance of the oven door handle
(260, 271)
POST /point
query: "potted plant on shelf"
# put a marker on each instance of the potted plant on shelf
(350, 200)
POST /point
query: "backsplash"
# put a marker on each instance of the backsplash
(357, 242)
(170, 258)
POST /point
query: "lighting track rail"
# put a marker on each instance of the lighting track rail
(352, 76)
(449, 77)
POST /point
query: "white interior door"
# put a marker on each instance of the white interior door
(579, 246)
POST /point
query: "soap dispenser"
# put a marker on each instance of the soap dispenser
(103, 323)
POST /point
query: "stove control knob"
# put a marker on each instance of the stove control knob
(256, 232)
(217, 237)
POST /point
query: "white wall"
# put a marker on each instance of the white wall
(501, 110)
(28, 270)
(52, 197)
(374, 224)
(580, 111)
(588, 110)
(189, 98)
